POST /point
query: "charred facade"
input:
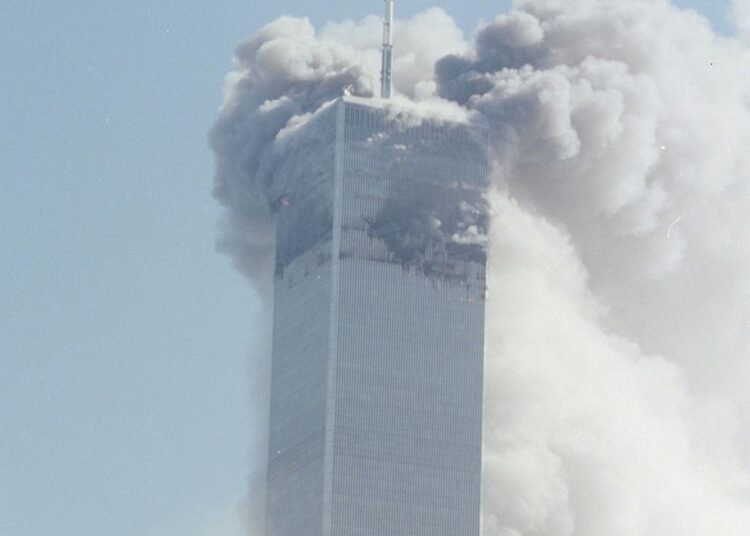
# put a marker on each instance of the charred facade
(376, 393)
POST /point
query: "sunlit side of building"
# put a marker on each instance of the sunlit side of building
(376, 397)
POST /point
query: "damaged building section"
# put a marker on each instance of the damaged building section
(428, 222)
(414, 190)
(411, 190)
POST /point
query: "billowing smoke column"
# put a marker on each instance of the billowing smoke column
(618, 323)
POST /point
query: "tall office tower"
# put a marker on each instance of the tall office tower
(378, 340)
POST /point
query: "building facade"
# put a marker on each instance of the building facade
(378, 338)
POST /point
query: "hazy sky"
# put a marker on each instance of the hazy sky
(123, 335)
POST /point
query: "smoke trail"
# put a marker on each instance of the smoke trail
(619, 256)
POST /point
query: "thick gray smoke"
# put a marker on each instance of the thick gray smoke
(618, 323)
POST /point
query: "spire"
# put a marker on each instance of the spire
(386, 74)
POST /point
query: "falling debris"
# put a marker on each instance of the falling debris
(671, 227)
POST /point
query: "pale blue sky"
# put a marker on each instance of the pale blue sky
(123, 335)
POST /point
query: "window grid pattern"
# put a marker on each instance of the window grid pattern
(298, 396)
(410, 345)
(404, 405)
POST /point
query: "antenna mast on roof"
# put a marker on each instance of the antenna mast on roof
(386, 74)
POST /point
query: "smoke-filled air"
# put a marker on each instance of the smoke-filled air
(618, 329)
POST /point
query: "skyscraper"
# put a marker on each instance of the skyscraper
(378, 338)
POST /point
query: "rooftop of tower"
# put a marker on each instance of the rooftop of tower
(428, 110)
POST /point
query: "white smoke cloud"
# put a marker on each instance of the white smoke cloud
(618, 323)
(585, 434)
(422, 41)
(740, 16)
(619, 122)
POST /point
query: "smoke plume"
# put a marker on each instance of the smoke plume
(618, 328)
